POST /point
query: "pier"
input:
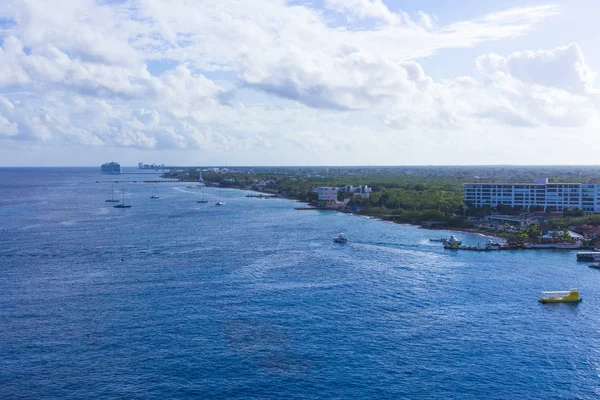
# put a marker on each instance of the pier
(140, 181)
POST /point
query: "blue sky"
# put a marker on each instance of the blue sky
(322, 82)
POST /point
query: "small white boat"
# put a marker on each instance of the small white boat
(491, 243)
(340, 239)
(220, 202)
(155, 196)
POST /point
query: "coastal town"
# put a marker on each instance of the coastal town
(561, 211)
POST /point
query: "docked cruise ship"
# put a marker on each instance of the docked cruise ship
(111, 168)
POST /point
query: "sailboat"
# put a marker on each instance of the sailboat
(155, 195)
(203, 197)
(113, 200)
(123, 204)
(219, 203)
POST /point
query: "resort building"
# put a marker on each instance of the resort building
(539, 194)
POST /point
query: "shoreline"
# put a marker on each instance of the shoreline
(473, 231)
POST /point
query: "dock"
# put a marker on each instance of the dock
(480, 248)
(140, 181)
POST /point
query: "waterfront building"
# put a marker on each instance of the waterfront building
(327, 195)
(539, 194)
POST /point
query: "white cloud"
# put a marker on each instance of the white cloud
(85, 29)
(544, 87)
(503, 24)
(12, 72)
(362, 9)
(427, 21)
(84, 72)
(563, 68)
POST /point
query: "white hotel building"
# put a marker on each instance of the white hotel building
(540, 193)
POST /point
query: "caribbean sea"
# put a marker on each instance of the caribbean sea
(175, 299)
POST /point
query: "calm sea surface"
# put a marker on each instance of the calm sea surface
(254, 300)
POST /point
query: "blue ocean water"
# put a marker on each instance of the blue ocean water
(254, 300)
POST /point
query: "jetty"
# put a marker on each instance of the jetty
(260, 195)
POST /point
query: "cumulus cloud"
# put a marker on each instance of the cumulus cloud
(12, 72)
(85, 29)
(84, 73)
(562, 68)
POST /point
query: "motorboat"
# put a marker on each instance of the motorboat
(452, 242)
(340, 239)
(594, 265)
(560, 296)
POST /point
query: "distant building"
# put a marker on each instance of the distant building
(327, 195)
(540, 193)
(141, 165)
(360, 191)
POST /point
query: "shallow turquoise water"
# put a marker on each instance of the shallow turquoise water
(254, 300)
